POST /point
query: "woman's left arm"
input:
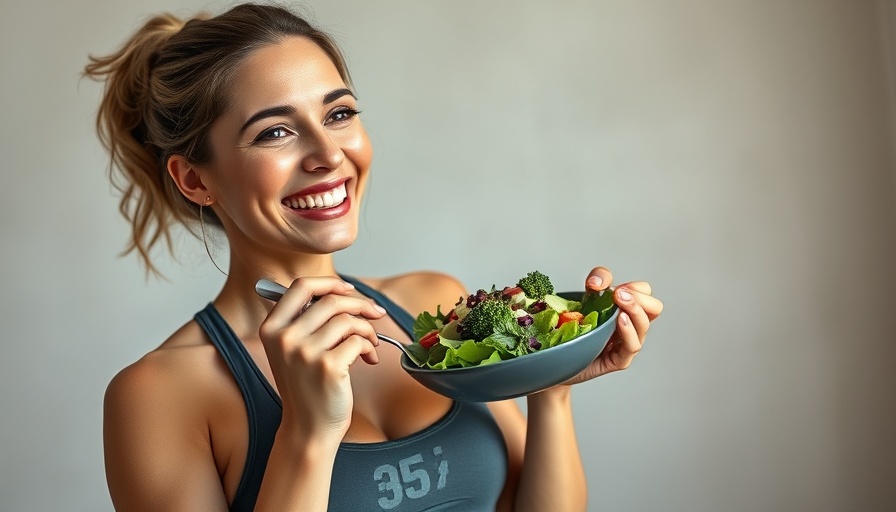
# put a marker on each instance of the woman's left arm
(548, 475)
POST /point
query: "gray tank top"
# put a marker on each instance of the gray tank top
(457, 464)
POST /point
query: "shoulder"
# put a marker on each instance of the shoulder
(422, 290)
(156, 430)
(177, 372)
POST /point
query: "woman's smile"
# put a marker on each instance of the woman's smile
(324, 201)
(321, 195)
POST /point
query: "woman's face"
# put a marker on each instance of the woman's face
(290, 157)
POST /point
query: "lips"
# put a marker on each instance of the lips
(319, 196)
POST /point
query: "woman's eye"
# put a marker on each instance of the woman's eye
(342, 115)
(275, 133)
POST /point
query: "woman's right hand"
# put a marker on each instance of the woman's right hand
(310, 349)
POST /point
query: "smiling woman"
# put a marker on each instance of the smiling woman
(294, 113)
(251, 117)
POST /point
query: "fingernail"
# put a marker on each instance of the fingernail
(379, 308)
(595, 281)
(350, 286)
(624, 295)
(625, 319)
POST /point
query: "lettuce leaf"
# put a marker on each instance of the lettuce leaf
(601, 303)
(494, 358)
(419, 352)
(568, 331)
(545, 321)
(473, 352)
(588, 323)
(504, 343)
(550, 339)
(452, 353)
(436, 355)
(427, 322)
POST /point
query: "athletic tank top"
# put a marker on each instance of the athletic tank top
(459, 463)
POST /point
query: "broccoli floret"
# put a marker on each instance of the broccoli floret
(536, 285)
(485, 318)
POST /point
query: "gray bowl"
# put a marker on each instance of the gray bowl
(520, 376)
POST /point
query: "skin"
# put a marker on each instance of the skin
(175, 426)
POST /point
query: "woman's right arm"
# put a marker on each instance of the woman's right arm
(158, 455)
(310, 350)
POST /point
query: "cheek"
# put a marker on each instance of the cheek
(262, 172)
(360, 152)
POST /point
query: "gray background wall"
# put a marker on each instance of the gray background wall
(737, 154)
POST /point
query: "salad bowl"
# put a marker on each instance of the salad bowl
(502, 380)
(519, 376)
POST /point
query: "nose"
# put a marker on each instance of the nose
(322, 153)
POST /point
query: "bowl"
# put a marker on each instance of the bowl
(519, 376)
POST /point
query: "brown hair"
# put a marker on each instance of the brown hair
(163, 90)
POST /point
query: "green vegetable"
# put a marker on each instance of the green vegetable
(600, 302)
(489, 327)
(536, 285)
(427, 322)
(546, 321)
(485, 318)
(559, 304)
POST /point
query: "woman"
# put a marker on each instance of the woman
(247, 121)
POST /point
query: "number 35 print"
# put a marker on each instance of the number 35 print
(410, 479)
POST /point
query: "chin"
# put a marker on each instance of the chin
(335, 243)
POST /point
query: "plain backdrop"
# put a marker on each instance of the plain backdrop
(737, 154)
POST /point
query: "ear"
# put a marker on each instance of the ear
(188, 179)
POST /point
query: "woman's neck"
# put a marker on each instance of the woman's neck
(239, 303)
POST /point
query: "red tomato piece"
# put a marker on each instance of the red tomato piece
(430, 339)
(510, 292)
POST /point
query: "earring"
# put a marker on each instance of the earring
(207, 202)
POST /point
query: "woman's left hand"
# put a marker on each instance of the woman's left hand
(637, 308)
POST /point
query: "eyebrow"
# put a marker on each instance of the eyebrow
(281, 110)
(286, 110)
(338, 93)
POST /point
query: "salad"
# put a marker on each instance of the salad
(492, 326)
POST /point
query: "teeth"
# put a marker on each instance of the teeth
(327, 199)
